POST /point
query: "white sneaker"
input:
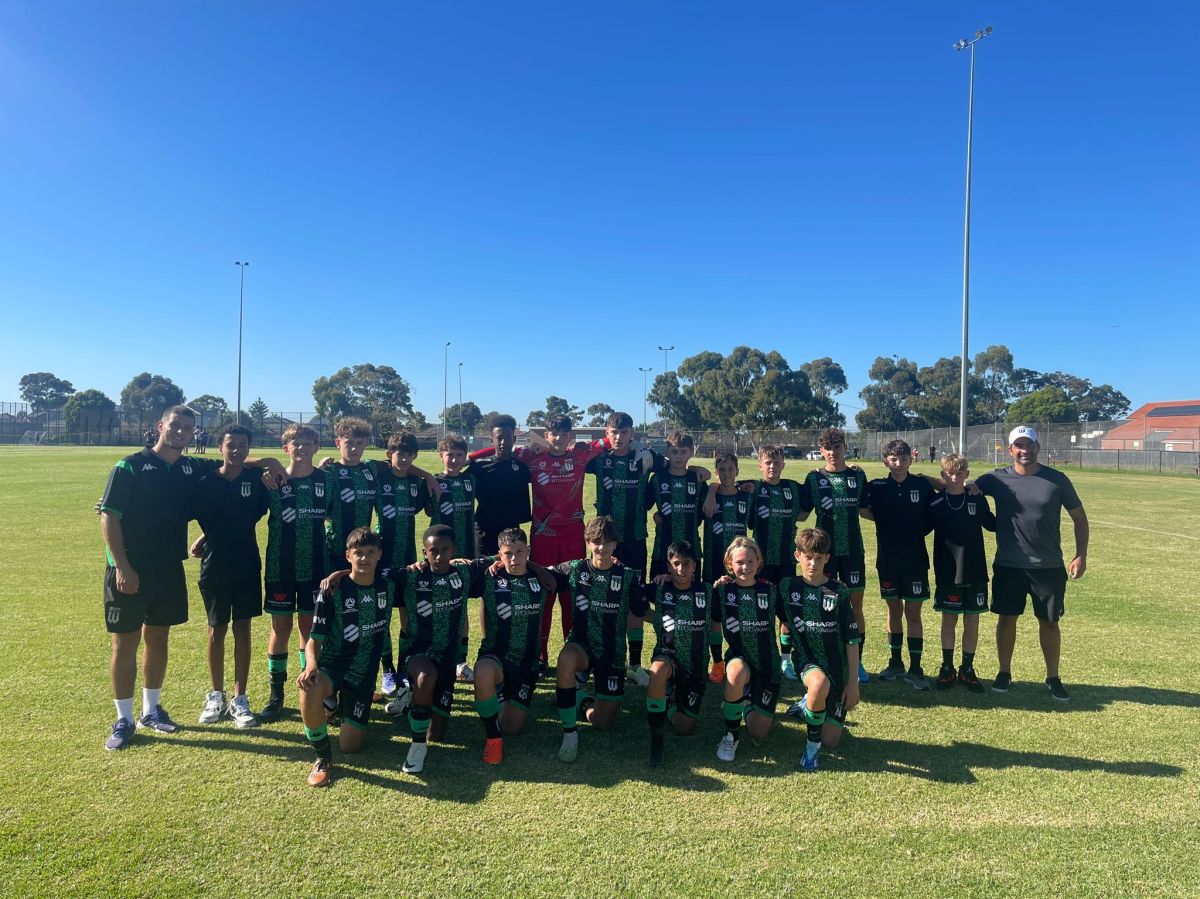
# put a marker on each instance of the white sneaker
(465, 674)
(214, 707)
(727, 748)
(638, 675)
(398, 704)
(239, 711)
(569, 750)
(416, 758)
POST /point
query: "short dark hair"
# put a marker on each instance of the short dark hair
(559, 424)
(434, 531)
(813, 541)
(504, 421)
(362, 537)
(724, 457)
(681, 549)
(896, 448)
(601, 528)
(509, 536)
(352, 426)
(230, 430)
(831, 437)
(679, 439)
(619, 420)
(452, 442)
(185, 411)
(402, 442)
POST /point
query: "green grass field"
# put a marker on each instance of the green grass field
(933, 794)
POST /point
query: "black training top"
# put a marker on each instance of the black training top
(902, 520)
(229, 512)
(502, 493)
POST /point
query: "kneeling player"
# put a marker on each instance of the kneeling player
(825, 639)
(686, 621)
(749, 607)
(349, 627)
(609, 605)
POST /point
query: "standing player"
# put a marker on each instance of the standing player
(900, 510)
(960, 569)
(501, 487)
(839, 495)
(825, 634)
(1029, 501)
(354, 488)
(678, 493)
(729, 519)
(229, 504)
(343, 650)
(609, 604)
(686, 620)
(456, 510)
(296, 556)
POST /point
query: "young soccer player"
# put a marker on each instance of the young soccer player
(839, 495)
(678, 494)
(749, 608)
(729, 519)
(960, 569)
(900, 509)
(825, 636)
(354, 487)
(609, 605)
(686, 621)
(296, 556)
(501, 487)
(347, 638)
(229, 504)
(456, 510)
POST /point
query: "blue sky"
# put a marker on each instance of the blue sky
(559, 188)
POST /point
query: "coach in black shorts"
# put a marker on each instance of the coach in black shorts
(1029, 501)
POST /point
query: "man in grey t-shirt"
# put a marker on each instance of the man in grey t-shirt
(1029, 501)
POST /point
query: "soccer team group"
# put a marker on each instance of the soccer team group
(759, 600)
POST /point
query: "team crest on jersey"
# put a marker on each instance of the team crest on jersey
(387, 488)
(187, 468)
(381, 599)
(568, 467)
(741, 507)
(501, 583)
(615, 585)
(914, 495)
(824, 482)
(412, 490)
(691, 489)
(349, 603)
(828, 601)
(668, 598)
(515, 467)
(247, 488)
(318, 490)
(455, 582)
(787, 493)
(797, 597)
(367, 474)
(970, 508)
(535, 586)
(467, 486)
(344, 473)
(762, 491)
(854, 577)
(764, 602)
(852, 483)
(700, 601)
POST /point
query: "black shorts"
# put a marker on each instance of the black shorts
(775, 573)
(609, 673)
(632, 554)
(687, 689)
(286, 597)
(447, 674)
(1047, 586)
(911, 587)
(519, 682)
(354, 699)
(850, 570)
(161, 600)
(239, 601)
(961, 599)
(764, 687)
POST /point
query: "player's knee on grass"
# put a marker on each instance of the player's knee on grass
(422, 674)
(831, 735)
(603, 714)
(684, 725)
(487, 675)
(757, 725)
(512, 719)
(351, 738)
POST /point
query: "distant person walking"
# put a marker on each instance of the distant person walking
(933, 452)
(1029, 501)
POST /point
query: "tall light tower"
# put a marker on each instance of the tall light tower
(241, 298)
(445, 384)
(460, 408)
(966, 290)
(645, 393)
(666, 368)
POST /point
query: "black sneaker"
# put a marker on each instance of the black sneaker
(971, 679)
(894, 671)
(1002, 682)
(946, 677)
(1057, 690)
(273, 709)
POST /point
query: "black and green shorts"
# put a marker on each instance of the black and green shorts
(354, 697)
(519, 681)
(763, 690)
(288, 597)
(447, 674)
(910, 586)
(688, 690)
(850, 570)
(961, 599)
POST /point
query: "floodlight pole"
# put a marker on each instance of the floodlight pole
(460, 408)
(666, 368)
(966, 284)
(645, 392)
(241, 298)
(445, 385)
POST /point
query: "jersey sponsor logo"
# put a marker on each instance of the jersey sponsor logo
(718, 527)
(764, 511)
(608, 483)
(826, 503)
(288, 515)
(281, 597)
(350, 632)
(914, 495)
(668, 623)
(732, 624)
(447, 508)
(347, 495)
(388, 511)
(424, 608)
(247, 488)
(667, 508)
(503, 610)
(581, 602)
(543, 479)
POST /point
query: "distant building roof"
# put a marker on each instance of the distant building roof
(1171, 422)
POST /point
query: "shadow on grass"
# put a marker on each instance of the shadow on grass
(1028, 696)
(957, 762)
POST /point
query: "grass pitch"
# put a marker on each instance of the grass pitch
(929, 794)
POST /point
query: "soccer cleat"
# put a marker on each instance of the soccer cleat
(637, 674)
(215, 707)
(389, 684)
(122, 735)
(273, 709)
(1002, 682)
(399, 703)
(569, 750)
(946, 677)
(811, 754)
(493, 750)
(967, 676)
(414, 763)
(158, 721)
(796, 709)
(917, 678)
(787, 668)
(717, 675)
(894, 670)
(465, 673)
(727, 748)
(1057, 690)
(863, 677)
(239, 711)
(319, 775)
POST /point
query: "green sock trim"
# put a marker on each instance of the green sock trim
(277, 665)
(656, 705)
(568, 717)
(814, 718)
(303, 659)
(487, 707)
(316, 734)
(732, 710)
(418, 725)
(785, 642)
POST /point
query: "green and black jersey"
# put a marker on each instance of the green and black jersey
(679, 498)
(773, 520)
(153, 499)
(603, 600)
(352, 627)
(732, 519)
(398, 499)
(435, 605)
(512, 615)
(296, 529)
(837, 496)
(682, 622)
(748, 621)
(622, 490)
(457, 509)
(352, 504)
(822, 626)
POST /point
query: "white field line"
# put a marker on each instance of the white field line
(1131, 527)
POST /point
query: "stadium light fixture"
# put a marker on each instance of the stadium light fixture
(445, 385)
(645, 393)
(964, 44)
(241, 298)
(666, 368)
